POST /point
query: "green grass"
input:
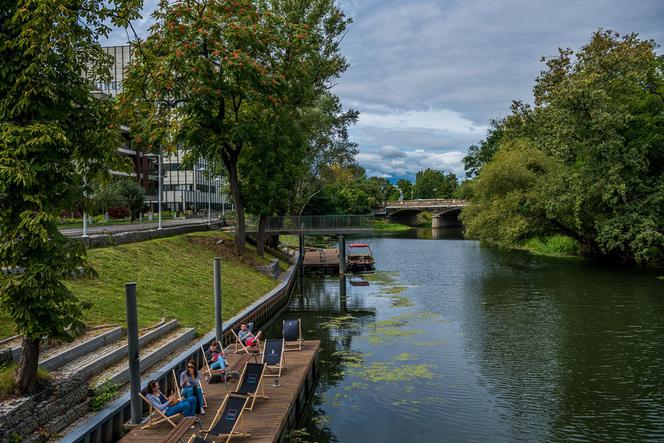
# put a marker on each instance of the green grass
(7, 375)
(555, 245)
(383, 226)
(174, 280)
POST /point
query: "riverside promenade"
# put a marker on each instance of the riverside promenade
(269, 418)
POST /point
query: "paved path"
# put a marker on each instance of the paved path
(114, 229)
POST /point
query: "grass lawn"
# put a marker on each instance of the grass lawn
(384, 226)
(174, 280)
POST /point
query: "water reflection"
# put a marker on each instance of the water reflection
(468, 344)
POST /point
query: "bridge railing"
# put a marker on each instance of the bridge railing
(427, 202)
(310, 223)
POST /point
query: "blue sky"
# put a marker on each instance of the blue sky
(427, 76)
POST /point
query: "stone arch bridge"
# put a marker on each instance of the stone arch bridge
(445, 211)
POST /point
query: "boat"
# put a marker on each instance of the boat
(359, 258)
(358, 280)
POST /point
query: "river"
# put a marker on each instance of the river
(459, 343)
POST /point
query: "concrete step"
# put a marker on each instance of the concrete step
(59, 357)
(152, 354)
(102, 357)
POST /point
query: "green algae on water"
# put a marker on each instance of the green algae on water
(404, 356)
(389, 372)
(401, 302)
(338, 322)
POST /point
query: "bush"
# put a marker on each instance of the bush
(103, 394)
(553, 245)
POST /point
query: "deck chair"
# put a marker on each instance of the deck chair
(239, 346)
(227, 419)
(273, 356)
(251, 382)
(155, 416)
(292, 335)
(179, 392)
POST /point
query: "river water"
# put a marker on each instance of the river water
(459, 343)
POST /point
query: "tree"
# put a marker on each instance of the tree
(406, 187)
(432, 183)
(223, 67)
(53, 134)
(599, 118)
(132, 195)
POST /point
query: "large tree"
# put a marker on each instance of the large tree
(588, 158)
(432, 183)
(224, 67)
(53, 135)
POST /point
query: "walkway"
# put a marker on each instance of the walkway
(128, 227)
(266, 422)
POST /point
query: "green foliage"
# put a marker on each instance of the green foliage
(553, 245)
(383, 226)
(432, 183)
(103, 394)
(585, 161)
(131, 195)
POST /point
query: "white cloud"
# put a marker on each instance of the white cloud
(384, 163)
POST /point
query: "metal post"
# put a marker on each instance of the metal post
(85, 225)
(223, 205)
(343, 304)
(209, 201)
(342, 254)
(218, 327)
(134, 362)
(302, 248)
(159, 196)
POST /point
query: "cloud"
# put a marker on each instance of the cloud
(391, 162)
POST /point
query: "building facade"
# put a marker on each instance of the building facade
(184, 189)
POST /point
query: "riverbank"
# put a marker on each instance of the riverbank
(174, 280)
(385, 226)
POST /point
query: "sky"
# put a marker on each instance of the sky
(428, 76)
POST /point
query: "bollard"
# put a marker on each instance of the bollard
(218, 327)
(342, 254)
(134, 362)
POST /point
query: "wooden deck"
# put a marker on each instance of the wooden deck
(266, 422)
(322, 260)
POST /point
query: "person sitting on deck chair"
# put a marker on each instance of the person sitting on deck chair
(169, 406)
(190, 382)
(247, 337)
(218, 360)
(212, 350)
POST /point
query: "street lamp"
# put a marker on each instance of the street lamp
(159, 184)
(85, 213)
(203, 169)
(218, 182)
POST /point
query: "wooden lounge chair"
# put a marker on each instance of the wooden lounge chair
(239, 346)
(292, 330)
(227, 419)
(155, 416)
(251, 381)
(273, 356)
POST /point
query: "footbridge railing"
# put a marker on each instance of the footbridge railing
(312, 224)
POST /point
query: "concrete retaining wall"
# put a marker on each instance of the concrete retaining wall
(101, 240)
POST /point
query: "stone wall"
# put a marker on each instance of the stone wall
(36, 418)
(101, 240)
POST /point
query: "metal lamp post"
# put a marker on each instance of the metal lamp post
(217, 181)
(85, 213)
(203, 169)
(158, 186)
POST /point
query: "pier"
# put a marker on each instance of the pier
(270, 417)
(325, 261)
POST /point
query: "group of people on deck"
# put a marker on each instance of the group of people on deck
(190, 381)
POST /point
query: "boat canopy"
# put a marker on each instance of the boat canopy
(358, 245)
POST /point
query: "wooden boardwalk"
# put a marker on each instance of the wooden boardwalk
(322, 260)
(269, 417)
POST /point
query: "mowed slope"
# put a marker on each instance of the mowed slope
(174, 278)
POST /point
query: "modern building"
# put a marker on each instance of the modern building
(183, 189)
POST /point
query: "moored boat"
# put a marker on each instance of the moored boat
(359, 258)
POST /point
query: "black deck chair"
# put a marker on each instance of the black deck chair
(251, 382)
(273, 356)
(227, 419)
(292, 335)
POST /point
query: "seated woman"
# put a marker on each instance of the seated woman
(169, 406)
(217, 359)
(247, 337)
(190, 382)
(213, 349)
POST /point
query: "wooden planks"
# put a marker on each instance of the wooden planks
(266, 422)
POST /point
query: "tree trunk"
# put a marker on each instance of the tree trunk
(26, 376)
(240, 235)
(260, 239)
